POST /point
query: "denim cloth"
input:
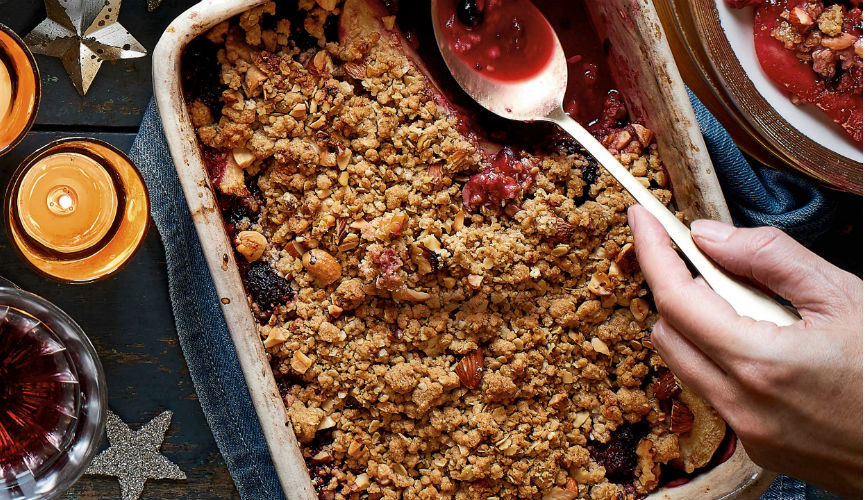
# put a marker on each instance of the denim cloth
(757, 196)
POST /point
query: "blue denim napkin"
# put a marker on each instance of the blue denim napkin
(757, 196)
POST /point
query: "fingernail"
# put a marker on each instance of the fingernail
(711, 230)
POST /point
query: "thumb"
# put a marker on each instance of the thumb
(770, 257)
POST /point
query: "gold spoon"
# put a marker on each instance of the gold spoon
(539, 98)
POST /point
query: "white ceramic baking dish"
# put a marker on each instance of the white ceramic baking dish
(647, 75)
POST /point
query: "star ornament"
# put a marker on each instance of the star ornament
(133, 457)
(83, 34)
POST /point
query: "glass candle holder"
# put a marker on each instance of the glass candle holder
(52, 398)
(20, 89)
(77, 210)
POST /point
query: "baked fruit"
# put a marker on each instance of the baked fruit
(452, 308)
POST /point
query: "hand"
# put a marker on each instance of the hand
(793, 394)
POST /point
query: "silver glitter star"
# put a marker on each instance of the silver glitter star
(152, 5)
(133, 457)
(83, 34)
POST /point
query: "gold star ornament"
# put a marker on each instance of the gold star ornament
(133, 457)
(83, 34)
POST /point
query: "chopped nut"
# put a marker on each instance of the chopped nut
(321, 58)
(300, 362)
(580, 418)
(275, 337)
(644, 135)
(600, 284)
(250, 244)
(666, 386)
(449, 282)
(322, 266)
(560, 250)
(388, 22)
(409, 295)
(322, 457)
(334, 310)
(295, 249)
(351, 241)
(681, 418)
(361, 482)
(639, 308)
(343, 178)
(840, 42)
(430, 242)
(327, 423)
(298, 111)
(355, 70)
(470, 369)
(242, 156)
(600, 347)
(356, 449)
(342, 159)
(559, 401)
(459, 220)
(475, 280)
(319, 123)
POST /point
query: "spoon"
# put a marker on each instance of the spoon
(539, 98)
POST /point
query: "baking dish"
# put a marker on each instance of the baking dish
(657, 94)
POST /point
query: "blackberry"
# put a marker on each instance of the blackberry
(267, 288)
(619, 455)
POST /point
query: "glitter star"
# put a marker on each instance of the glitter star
(133, 457)
(83, 34)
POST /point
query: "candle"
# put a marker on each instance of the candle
(19, 89)
(77, 210)
(67, 202)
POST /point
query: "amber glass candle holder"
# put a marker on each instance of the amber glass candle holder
(52, 398)
(20, 88)
(77, 210)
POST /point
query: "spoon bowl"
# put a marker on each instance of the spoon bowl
(523, 100)
(539, 97)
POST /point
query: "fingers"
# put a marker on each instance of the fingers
(691, 365)
(691, 308)
(770, 257)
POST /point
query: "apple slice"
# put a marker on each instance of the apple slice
(698, 445)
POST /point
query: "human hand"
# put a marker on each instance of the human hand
(793, 394)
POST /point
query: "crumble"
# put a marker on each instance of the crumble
(446, 318)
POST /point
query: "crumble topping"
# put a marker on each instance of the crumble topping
(445, 319)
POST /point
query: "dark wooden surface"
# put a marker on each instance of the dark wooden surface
(128, 316)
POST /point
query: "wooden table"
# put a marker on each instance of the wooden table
(128, 316)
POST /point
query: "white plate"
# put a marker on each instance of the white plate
(738, 25)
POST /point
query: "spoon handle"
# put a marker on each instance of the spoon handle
(745, 299)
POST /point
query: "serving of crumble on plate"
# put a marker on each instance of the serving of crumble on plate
(449, 312)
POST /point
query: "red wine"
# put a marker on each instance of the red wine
(39, 393)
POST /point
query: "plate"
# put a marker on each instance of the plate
(719, 41)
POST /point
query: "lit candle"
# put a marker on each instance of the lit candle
(77, 210)
(19, 89)
(67, 202)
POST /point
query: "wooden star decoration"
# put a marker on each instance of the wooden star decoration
(83, 34)
(133, 457)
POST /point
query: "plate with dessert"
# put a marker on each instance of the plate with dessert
(428, 301)
(790, 73)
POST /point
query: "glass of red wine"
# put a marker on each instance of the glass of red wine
(52, 397)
